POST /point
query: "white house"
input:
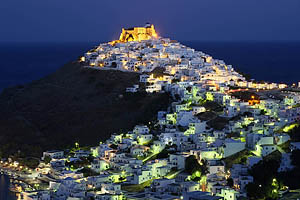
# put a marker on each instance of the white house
(144, 139)
(216, 166)
(36, 195)
(199, 195)
(141, 129)
(99, 165)
(139, 150)
(142, 176)
(178, 160)
(265, 149)
(54, 154)
(160, 185)
(232, 147)
(154, 88)
(198, 109)
(110, 188)
(132, 89)
(228, 194)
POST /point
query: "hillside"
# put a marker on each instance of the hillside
(74, 104)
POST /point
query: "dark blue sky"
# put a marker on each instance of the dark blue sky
(102, 20)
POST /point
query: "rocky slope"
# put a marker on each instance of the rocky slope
(74, 104)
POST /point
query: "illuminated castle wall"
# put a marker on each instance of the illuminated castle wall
(137, 34)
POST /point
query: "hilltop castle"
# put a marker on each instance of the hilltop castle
(137, 34)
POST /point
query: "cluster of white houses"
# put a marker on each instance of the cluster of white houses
(190, 127)
(179, 62)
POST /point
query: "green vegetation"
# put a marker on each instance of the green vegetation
(211, 115)
(291, 178)
(47, 159)
(294, 132)
(285, 146)
(182, 128)
(212, 106)
(173, 173)
(218, 123)
(196, 169)
(238, 158)
(137, 187)
(230, 182)
(288, 128)
(175, 80)
(150, 157)
(206, 116)
(113, 146)
(31, 163)
(88, 172)
(82, 162)
(163, 154)
(266, 184)
(296, 106)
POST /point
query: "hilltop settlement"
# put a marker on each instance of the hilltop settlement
(220, 131)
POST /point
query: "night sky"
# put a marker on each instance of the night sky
(185, 20)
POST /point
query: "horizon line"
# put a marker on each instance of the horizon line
(208, 41)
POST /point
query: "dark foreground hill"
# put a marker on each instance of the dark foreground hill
(74, 104)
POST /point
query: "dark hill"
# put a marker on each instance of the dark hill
(74, 104)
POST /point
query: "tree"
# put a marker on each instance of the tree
(295, 157)
(47, 159)
(295, 134)
(182, 128)
(191, 164)
(263, 112)
(291, 178)
(264, 174)
(196, 169)
(175, 80)
(31, 163)
(264, 171)
(189, 88)
(254, 191)
(121, 179)
(204, 167)
(113, 146)
(163, 154)
(177, 97)
(244, 160)
(230, 182)
(88, 172)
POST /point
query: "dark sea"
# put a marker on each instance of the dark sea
(24, 62)
(277, 62)
(4, 189)
(269, 61)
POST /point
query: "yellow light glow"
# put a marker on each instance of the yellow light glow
(136, 34)
(82, 59)
(173, 71)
